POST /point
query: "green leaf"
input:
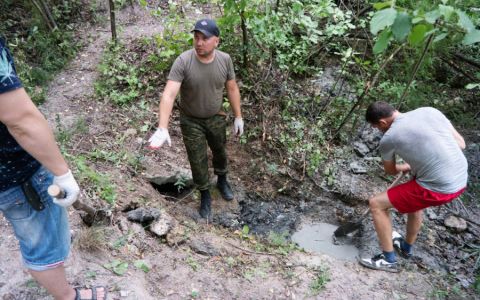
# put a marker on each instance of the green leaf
(446, 11)
(117, 267)
(142, 265)
(382, 41)
(382, 19)
(471, 86)
(464, 21)
(432, 16)
(440, 37)
(402, 26)
(382, 5)
(472, 37)
(418, 34)
(245, 229)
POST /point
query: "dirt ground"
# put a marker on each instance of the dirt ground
(197, 260)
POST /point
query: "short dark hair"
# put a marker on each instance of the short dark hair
(378, 110)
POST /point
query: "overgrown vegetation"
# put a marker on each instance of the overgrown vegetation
(41, 50)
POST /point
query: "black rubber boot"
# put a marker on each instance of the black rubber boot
(205, 210)
(224, 188)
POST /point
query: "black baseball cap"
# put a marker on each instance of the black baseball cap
(208, 27)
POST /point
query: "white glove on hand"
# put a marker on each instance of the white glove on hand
(69, 185)
(159, 138)
(238, 126)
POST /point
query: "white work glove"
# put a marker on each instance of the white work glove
(69, 186)
(159, 138)
(238, 126)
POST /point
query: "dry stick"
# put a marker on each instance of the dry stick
(415, 70)
(49, 14)
(370, 83)
(458, 69)
(467, 60)
(250, 251)
(44, 15)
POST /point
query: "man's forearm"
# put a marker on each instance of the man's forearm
(234, 99)
(39, 142)
(165, 110)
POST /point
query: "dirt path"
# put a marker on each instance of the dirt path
(232, 268)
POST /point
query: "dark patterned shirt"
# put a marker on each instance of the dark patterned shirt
(16, 165)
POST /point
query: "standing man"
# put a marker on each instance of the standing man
(30, 162)
(432, 150)
(201, 74)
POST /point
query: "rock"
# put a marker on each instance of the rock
(201, 246)
(357, 167)
(455, 223)
(123, 225)
(123, 294)
(431, 214)
(163, 225)
(143, 214)
(360, 148)
(176, 236)
(227, 219)
(130, 132)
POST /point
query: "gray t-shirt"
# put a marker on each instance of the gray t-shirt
(201, 92)
(424, 139)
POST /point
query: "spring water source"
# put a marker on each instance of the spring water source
(318, 237)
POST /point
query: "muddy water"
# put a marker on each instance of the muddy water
(318, 237)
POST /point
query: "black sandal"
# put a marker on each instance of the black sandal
(94, 293)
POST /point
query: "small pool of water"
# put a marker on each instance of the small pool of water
(318, 237)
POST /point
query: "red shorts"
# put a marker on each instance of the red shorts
(410, 197)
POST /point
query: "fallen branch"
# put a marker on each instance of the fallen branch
(467, 60)
(250, 251)
(458, 69)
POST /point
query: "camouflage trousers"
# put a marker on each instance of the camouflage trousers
(197, 133)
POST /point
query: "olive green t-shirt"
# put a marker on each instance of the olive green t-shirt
(201, 92)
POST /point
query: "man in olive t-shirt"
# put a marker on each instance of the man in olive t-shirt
(201, 74)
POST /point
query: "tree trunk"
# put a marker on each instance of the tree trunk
(112, 21)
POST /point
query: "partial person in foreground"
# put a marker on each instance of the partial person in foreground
(431, 149)
(201, 74)
(30, 161)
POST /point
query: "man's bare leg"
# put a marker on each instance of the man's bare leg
(55, 281)
(414, 223)
(379, 207)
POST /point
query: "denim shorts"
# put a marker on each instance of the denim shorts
(44, 236)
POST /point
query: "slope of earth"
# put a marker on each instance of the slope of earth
(195, 260)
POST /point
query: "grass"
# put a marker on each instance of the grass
(91, 239)
(320, 281)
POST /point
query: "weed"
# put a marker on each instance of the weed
(192, 263)
(102, 185)
(321, 279)
(91, 239)
(117, 266)
(181, 182)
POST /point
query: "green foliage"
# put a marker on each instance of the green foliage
(131, 72)
(444, 21)
(38, 52)
(319, 282)
(290, 34)
(181, 182)
(142, 265)
(119, 76)
(101, 183)
(117, 266)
